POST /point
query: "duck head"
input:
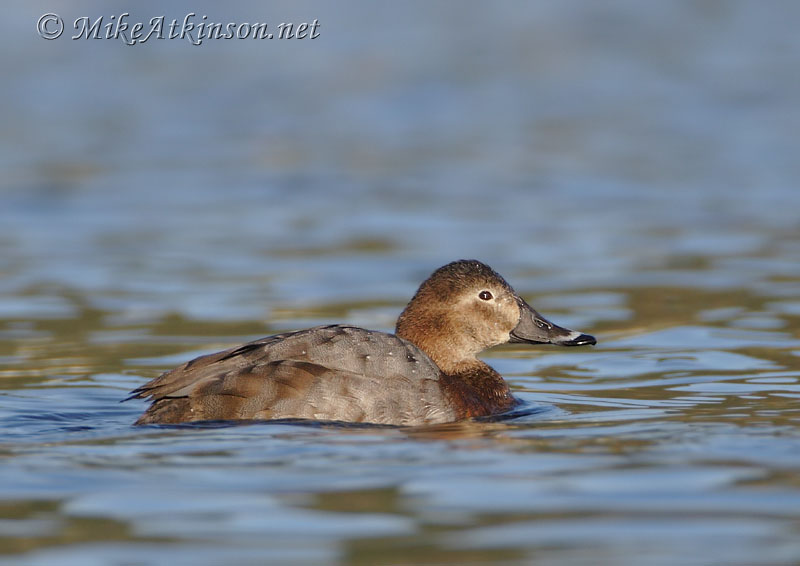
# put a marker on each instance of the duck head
(466, 307)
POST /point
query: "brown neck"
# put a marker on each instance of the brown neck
(478, 390)
(474, 388)
(432, 334)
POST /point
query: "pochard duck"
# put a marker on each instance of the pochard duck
(427, 372)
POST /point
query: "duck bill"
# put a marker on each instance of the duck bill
(533, 328)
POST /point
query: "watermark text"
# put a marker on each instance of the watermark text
(192, 28)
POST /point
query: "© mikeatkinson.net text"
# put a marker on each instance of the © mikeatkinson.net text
(192, 28)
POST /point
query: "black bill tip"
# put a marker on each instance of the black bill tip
(580, 340)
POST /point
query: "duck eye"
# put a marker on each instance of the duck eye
(485, 296)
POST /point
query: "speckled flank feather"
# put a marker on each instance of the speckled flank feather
(323, 373)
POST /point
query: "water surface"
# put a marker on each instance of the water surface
(632, 170)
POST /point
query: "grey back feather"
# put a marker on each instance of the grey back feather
(329, 373)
